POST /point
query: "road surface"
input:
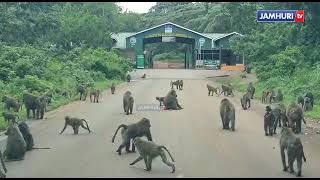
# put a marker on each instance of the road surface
(194, 136)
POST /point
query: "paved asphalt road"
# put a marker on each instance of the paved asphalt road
(194, 136)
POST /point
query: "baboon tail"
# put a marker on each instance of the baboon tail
(86, 124)
(121, 126)
(167, 151)
(41, 147)
(304, 157)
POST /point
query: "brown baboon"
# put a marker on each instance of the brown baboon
(265, 95)
(75, 123)
(148, 151)
(128, 102)
(113, 88)
(10, 102)
(295, 116)
(245, 101)
(128, 78)
(227, 113)
(96, 94)
(294, 147)
(3, 175)
(310, 95)
(175, 83)
(283, 116)
(41, 108)
(180, 84)
(82, 89)
(9, 116)
(269, 120)
(251, 89)
(27, 136)
(16, 145)
(161, 100)
(31, 102)
(143, 76)
(307, 104)
(212, 90)
(226, 90)
(171, 102)
(139, 129)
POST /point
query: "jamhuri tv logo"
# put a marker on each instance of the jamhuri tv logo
(280, 15)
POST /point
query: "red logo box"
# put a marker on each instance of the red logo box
(299, 16)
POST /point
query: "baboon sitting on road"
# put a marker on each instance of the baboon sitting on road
(139, 129)
(149, 151)
(227, 113)
(128, 78)
(161, 100)
(143, 76)
(294, 147)
(245, 101)
(75, 123)
(171, 101)
(128, 102)
(16, 146)
(113, 88)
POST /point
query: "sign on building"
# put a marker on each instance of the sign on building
(168, 29)
(199, 62)
(168, 39)
(133, 41)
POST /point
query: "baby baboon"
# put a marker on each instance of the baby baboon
(9, 116)
(96, 94)
(307, 104)
(10, 102)
(16, 145)
(227, 113)
(180, 84)
(294, 147)
(82, 89)
(251, 89)
(226, 90)
(212, 90)
(161, 100)
(113, 88)
(171, 102)
(27, 136)
(175, 83)
(3, 175)
(75, 123)
(128, 78)
(139, 129)
(128, 102)
(269, 121)
(143, 76)
(31, 102)
(295, 116)
(149, 151)
(279, 96)
(245, 101)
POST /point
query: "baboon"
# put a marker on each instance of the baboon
(75, 123)
(128, 102)
(27, 136)
(10, 102)
(269, 120)
(279, 117)
(272, 96)
(226, 90)
(300, 101)
(265, 96)
(9, 116)
(3, 175)
(113, 88)
(82, 89)
(16, 146)
(245, 101)
(139, 129)
(96, 94)
(295, 115)
(41, 108)
(175, 83)
(31, 102)
(227, 113)
(128, 78)
(251, 89)
(48, 95)
(212, 90)
(294, 147)
(310, 95)
(148, 151)
(161, 100)
(283, 115)
(180, 84)
(279, 96)
(307, 104)
(143, 76)
(171, 102)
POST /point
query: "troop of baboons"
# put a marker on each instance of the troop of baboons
(290, 118)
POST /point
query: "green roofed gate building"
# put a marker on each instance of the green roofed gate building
(202, 46)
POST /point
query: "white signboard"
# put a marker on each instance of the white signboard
(133, 41)
(201, 41)
(199, 62)
(168, 29)
(168, 39)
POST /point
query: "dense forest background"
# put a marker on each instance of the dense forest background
(55, 45)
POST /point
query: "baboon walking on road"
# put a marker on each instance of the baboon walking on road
(251, 89)
(227, 113)
(295, 116)
(113, 88)
(75, 123)
(245, 101)
(149, 151)
(128, 102)
(269, 120)
(294, 147)
(95, 93)
(212, 90)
